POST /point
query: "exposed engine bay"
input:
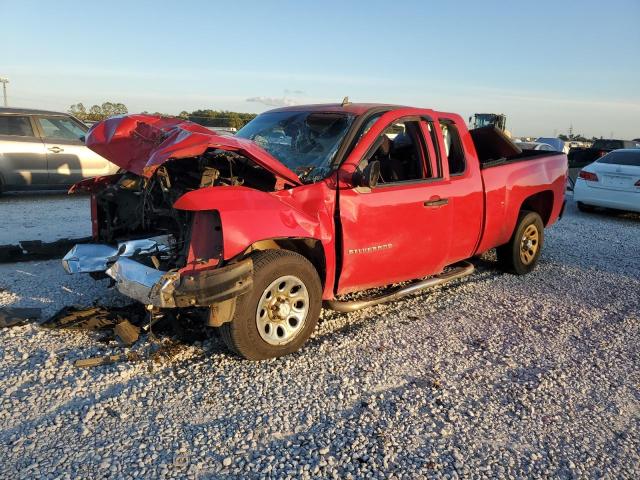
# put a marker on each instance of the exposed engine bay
(137, 207)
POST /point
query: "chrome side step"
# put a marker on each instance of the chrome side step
(462, 270)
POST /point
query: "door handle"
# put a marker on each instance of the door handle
(56, 149)
(436, 202)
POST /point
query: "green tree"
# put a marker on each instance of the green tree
(78, 111)
(97, 112)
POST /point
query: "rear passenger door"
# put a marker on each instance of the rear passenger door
(464, 188)
(23, 161)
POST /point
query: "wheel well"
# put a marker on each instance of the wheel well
(541, 203)
(309, 248)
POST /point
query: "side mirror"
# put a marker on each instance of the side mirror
(369, 176)
(82, 138)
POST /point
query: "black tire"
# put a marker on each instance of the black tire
(513, 257)
(241, 335)
(583, 207)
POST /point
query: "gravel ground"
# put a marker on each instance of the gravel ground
(494, 376)
(45, 216)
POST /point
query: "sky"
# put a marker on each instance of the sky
(545, 64)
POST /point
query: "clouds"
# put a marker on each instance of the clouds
(274, 101)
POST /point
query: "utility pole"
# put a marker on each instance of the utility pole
(4, 82)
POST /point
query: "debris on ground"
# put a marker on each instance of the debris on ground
(106, 359)
(127, 332)
(96, 317)
(10, 253)
(38, 250)
(13, 316)
(127, 324)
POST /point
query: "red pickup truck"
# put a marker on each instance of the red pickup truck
(303, 205)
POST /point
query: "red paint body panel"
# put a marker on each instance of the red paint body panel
(508, 186)
(141, 143)
(370, 237)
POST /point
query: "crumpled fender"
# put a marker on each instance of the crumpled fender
(141, 143)
(249, 215)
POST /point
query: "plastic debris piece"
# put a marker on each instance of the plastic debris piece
(127, 332)
(14, 316)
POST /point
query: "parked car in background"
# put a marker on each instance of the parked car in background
(612, 181)
(557, 143)
(44, 150)
(537, 146)
(305, 204)
(581, 157)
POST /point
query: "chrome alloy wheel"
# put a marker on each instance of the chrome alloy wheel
(282, 310)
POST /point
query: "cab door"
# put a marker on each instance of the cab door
(400, 229)
(68, 159)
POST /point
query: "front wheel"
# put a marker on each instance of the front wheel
(521, 254)
(280, 311)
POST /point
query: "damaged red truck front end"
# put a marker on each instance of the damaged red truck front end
(158, 225)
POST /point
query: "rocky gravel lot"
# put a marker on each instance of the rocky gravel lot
(493, 376)
(45, 216)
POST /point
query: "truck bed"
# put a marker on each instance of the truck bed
(509, 179)
(509, 182)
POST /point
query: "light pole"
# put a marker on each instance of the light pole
(4, 82)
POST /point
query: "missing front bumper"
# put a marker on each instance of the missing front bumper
(172, 289)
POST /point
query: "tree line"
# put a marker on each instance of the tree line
(208, 118)
(97, 112)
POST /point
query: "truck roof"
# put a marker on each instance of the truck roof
(352, 108)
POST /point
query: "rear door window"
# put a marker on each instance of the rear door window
(16, 126)
(453, 148)
(60, 128)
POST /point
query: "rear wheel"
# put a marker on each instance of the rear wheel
(280, 311)
(521, 254)
(583, 207)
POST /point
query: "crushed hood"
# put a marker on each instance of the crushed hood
(141, 143)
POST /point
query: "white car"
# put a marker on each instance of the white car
(45, 150)
(612, 181)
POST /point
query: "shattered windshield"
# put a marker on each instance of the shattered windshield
(306, 142)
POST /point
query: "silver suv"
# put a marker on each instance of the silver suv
(45, 150)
